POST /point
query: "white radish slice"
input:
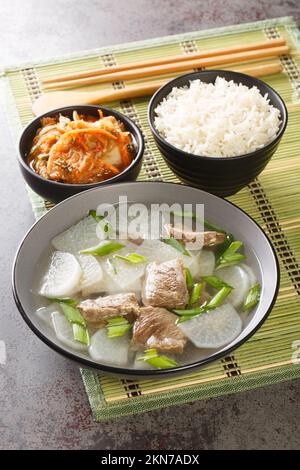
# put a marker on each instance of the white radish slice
(155, 250)
(206, 263)
(213, 329)
(237, 278)
(64, 332)
(44, 313)
(123, 275)
(62, 278)
(251, 275)
(79, 237)
(110, 350)
(92, 275)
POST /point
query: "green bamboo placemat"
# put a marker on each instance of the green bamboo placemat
(273, 201)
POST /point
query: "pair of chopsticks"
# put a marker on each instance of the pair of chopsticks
(172, 64)
(235, 58)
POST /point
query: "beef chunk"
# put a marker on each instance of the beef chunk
(209, 238)
(165, 285)
(156, 328)
(97, 311)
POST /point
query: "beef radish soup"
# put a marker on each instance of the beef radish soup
(125, 299)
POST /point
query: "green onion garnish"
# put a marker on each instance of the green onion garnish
(220, 249)
(190, 311)
(104, 248)
(216, 282)
(230, 260)
(177, 245)
(233, 247)
(154, 359)
(230, 257)
(134, 258)
(215, 302)
(72, 314)
(189, 279)
(196, 293)
(81, 334)
(219, 297)
(117, 326)
(93, 214)
(252, 298)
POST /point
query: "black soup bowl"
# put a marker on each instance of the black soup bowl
(56, 191)
(222, 176)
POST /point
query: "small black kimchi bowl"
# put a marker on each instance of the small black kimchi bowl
(55, 191)
(222, 176)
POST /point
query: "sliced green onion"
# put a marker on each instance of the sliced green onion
(134, 258)
(177, 245)
(219, 297)
(252, 298)
(148, 354)
(189, 279)
(215, 302)
(154, 359)
(94, 214)
(229, 260)
(220, 249)
(230, 257)
(81, 334)
(162, 362)
(216, 282)
(72, 314)
(233, 247)
(190, 311)
(67, 301)
(104, 248)
(196, 293)
(117, 326)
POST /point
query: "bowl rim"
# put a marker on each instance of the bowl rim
(111, 111)
(195, 157)
(139, 372)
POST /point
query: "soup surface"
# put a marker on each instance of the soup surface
(128, 300)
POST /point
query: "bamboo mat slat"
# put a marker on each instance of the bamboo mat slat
(273, 200)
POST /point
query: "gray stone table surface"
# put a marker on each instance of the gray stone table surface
(42, 400)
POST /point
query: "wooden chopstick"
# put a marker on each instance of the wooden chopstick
(167, 60)
(159, 70)
(144, 89)
(260, 70)
(57, 99)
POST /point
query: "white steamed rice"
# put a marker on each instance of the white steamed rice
(224, 119)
